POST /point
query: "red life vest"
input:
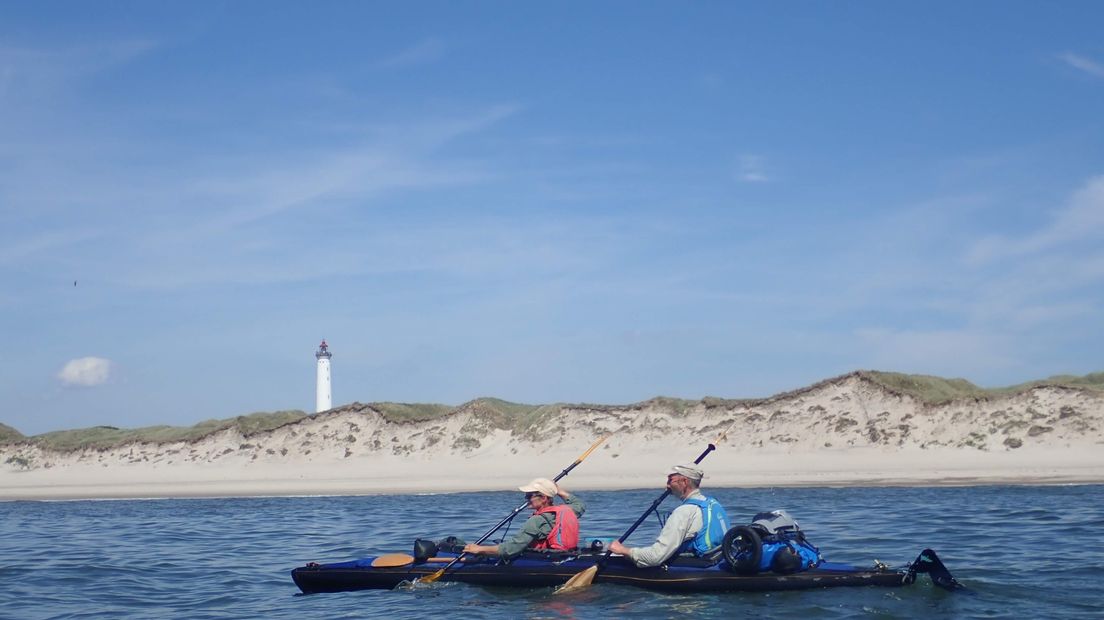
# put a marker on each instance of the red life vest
(565, 530)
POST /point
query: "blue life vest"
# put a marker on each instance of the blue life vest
(714, 526)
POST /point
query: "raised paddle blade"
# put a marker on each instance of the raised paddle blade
(593, 447)
(391, 560)
(581, 580)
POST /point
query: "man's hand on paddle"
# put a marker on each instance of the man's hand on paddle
(618, 548)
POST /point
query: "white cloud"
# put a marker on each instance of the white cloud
(1082, 218)
(1081, 63)
(425, 51)
(276, 186)
(30, 72)
(961, 352)
(752, 169)
(85, 371)
(712, 80)
(38, 244)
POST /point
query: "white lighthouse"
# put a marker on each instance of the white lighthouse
(322, 398)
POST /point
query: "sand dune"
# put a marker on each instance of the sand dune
(844, 431)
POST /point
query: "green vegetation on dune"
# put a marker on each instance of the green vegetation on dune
(677, 405)
(937, 390)
(496, 414)
(252, 423)
(1091, 380)
(506, 407)
(406, 412)
(9, 434)
(487, 414)
(536, 416)
(104, 437)
(924, 387)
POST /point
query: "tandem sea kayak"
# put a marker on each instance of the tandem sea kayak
(551, 569)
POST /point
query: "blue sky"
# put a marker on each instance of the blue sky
(577, 202)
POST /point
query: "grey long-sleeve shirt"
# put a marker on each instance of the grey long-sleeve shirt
(537, 527)
(684, 524)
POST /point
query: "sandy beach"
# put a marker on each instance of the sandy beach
(841, 432)
(599, 472)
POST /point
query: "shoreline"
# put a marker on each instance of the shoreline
(319, 480)
(171, 494)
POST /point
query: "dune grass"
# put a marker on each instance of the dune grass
(494, 413)
(9, 434)
(104, 437)
(937, 390)
(407, 412)
(498, 413)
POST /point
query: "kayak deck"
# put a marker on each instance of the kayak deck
(541, 571)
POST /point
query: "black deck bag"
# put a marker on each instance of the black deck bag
(451, 544)
(424, 549)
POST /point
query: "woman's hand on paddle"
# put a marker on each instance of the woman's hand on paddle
(480, 549)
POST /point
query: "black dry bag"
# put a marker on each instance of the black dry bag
(424, 549)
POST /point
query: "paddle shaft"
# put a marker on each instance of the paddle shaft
(585, 577)
(513, 514)
(525, 505)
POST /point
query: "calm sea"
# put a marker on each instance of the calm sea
(1029, 552)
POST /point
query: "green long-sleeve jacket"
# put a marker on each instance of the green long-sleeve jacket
(537, 527)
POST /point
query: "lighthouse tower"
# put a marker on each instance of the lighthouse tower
(322, 399)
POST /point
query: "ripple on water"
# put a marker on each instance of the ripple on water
(1022, 550)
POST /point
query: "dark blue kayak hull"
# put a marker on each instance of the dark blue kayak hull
(553, 572)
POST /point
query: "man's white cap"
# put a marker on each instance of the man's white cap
(689, 471)
(544, 486)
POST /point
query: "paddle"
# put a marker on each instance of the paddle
(585, 577)
(392, 560)
(437, 575)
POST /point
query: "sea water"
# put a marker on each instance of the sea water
(1027, 552)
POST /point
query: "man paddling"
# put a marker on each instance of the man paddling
(697, 525)
(552, 526)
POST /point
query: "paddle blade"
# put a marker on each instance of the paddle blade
(432, 576)
(581, 580)
(392, 559)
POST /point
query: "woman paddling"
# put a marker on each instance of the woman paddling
(552, 526)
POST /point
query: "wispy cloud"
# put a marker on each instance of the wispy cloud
(752, 169)
(240, 220)
(712, 81)
(423, 52)
(457, 249)
(946, 352)
(27, 72)
(402, 158)
(1080, 219)
(430, 133)
(1081, 63)
(85, 371)
(36, 245)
